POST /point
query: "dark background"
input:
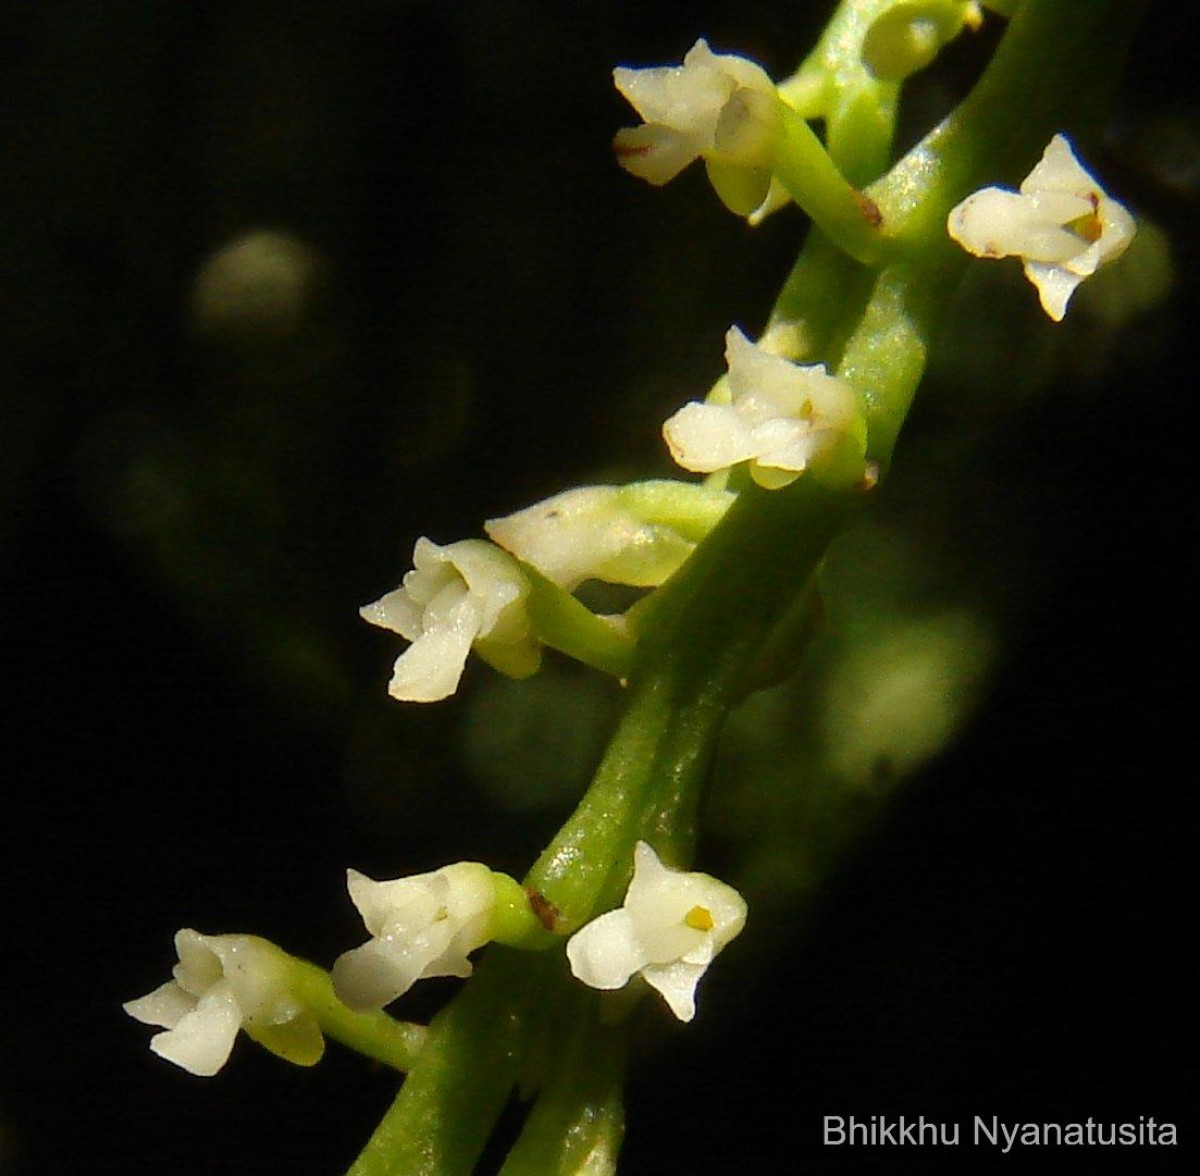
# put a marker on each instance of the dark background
(484, 310)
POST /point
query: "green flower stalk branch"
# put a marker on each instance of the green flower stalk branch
(795, 441)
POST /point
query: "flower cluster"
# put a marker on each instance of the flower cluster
(670, 928)
(772, 419)
(1061, 224)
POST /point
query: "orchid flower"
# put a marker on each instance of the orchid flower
(221, 984)
(780, 417)
(669, 929)
(465, 595)
(421, 926)
(718, 107)
(1061, 224)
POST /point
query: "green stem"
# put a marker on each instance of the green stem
(444, 1113)
(376, 1035)
(885, 356)
(578, 1120)
(564, 623)
(823, 296)
(812, 179)
(700, 635)
(834, 84)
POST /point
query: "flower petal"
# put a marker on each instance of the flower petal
(432, 666)
(396, 611)
(166, 1006)
(375, 974)
(297, 1040)
(606, 952)
(677, 983)
(1058, 170)
(587, 533)
(1055, 285)
(203, 1039)
(687, 98)
(708, 437)
(653, 152)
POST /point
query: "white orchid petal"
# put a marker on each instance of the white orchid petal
(396, 611)
(677, 984)
(607, 952)
(1055, 285)
(375, 974)
(708, 437)
(203, 1039)
(687, 98)
(1058, 170)
(166, 1006)
(784, 445)
(653, 152)
(432, 666)
(379, 902)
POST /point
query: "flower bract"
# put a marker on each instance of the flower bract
(465, 595)
(719, 107)
(670, 928)
(780, 417)
(221, 984)
(421, 926)
(1061, 224)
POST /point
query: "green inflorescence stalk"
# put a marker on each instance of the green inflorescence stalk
(869, 297)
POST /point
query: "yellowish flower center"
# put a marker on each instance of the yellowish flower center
(699, 919)
(1088, 226)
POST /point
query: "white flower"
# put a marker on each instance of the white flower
(466, 594)
(781, 416)
(1061, 224)
(603, 533)
(721, 107)
(224, 983)
(421, 926)
(670, 929)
